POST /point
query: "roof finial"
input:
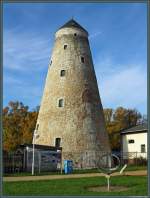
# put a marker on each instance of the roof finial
(72, 23)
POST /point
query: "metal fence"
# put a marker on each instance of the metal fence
(53, 161)
(93, 160)
(134, 158)
(22, 162)
(43, 160)
(13, 163)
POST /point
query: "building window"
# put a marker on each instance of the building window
(61, 103)
(62, 73)
(57, 142)
(143, 148)
(82, 59)
(65, 47)
(130, 141)
(50, 62)
(75, 34)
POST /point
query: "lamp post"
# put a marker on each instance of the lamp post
(35, 135)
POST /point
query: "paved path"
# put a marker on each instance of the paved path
(50, 177)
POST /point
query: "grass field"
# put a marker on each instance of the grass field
(137, 186)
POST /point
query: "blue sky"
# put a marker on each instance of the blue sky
(118, 41)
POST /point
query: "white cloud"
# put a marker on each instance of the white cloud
(24, 49)
(25, 54)
(124, 85)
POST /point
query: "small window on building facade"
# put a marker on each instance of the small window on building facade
(62, 73)
(57, 142)
(65, 47)
(130, 141)
(50, 62)
(61, 103)
(143, 148)
(82, 59)
(75, 34)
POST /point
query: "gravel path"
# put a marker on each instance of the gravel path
(50, 177)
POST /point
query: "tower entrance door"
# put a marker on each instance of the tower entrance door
(57, 142)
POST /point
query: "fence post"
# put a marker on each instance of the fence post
(61, 168)
(121, 158)
(13, 163)
(39, 161)
(24, 159)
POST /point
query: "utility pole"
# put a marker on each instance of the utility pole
(35, 135)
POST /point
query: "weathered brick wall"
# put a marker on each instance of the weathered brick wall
(80, 123)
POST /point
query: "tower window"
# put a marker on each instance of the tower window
(57, 142)
(62, 73)
(75, 34)
(50, 62)
(82, 59)
(61, 103)
(65, 47)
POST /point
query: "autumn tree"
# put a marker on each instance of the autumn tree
(18, 125)
(117, 120)
(126, 118)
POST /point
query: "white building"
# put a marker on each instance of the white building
(134, 142)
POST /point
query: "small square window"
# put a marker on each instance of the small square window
(61, 103)
(65, 47)
(82, 59)
(130, 141)
(75, 34)
(62, 73)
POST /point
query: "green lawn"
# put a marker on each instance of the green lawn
(134, 168)
(137, 186)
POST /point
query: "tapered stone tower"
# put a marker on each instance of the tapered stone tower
(71, 113)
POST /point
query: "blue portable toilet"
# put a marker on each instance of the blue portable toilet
(68, 166)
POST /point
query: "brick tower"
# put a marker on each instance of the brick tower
(71, 113)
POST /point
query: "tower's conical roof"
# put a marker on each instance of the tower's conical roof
(72, 23)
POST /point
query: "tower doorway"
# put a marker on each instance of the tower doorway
(57, 142)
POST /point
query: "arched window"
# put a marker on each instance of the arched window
(62, 73)
(82, 59)
(60, 103)
(65, 47)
